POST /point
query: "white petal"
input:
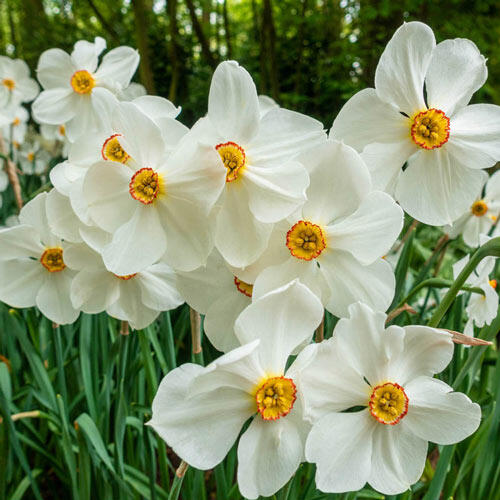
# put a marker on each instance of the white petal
(156, 107)
(282, 320)
(53, 298)
(349, 282)
(20, 281)
(399, 78)
(4, 181)
(269, 453)
(117, 67)
(55, 69)
(457, 69)
(398, 459)
(106, 190)
(34, 214)
(233, 107)
(384, 161)
(437, 414)
(365, 119)
(340, 444)
(28, 89)
(202, 429)
(80, 257)
(94, 291)
(370, 231)
(283, 134)
(339, 181)
(239, 237)
(329, 383)
(54, 106)
(158, 288)
(275, 192)
(189, 233)
(426, 351)
(84, 55)
(435, 189)
(20, 241)
(220, 319)
(62, 220)
(474, 227)
(137, 244)
(366, 345)
(474, 136)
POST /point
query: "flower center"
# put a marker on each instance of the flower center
(9, 83)
(305, 240)
(82, 82)
(145, 185)
(244, 288)
(275, 397)
(112, 150)
(52, 259)
(125, 277)
(493, 283)
(30, 156)
(233, 157)
(388, 403)
(479, 208)
(62, 129)
(430, 129)
(16, 121)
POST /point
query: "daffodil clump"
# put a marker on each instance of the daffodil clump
(266, 224)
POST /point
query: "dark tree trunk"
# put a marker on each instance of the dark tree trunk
(205, 45)
(227, 30)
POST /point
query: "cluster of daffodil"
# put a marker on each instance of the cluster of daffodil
(260, 221)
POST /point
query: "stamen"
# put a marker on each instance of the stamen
(234, 159)
(388, 403)
(9, 83)
(62, 129)
(305, 240)
(275, 397)
(430, 129)
(16, 121)
(493, 283)
(479, 208)
(52, 259)
(125, 277)
(30, 156)
(244, 288)
(112, 150)
(82, 82)
(145, 186)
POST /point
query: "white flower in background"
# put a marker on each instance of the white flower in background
(481, 309)
(79, 93)
(213, 290)
(389, 372)
(445, 141)
(56, 133)
(334, 244)
(16, 127)
(481, 216)
(33, 159)
(133, 91)
(264, 183)
(137, 298)
(200, 411)
(32, 267)
(67, 177)
(266, 104)
(154, 202)
(16, 86)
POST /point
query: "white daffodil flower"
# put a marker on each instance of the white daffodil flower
(32, 267)
(213, 290)
(67, 177)
(200, 411)
(56, 134)
(79, 93)
(264, 182)
(133, 91)
(389, 372)
(334, 244)
(481, 309)
(33, 159)
(16, 126)
(137, 298)
(445, 141)
(481, 216)
(155, 202)
(16, 86)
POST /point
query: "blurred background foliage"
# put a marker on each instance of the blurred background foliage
(309, 55)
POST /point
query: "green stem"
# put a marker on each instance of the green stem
(490, 249)
(436, 486)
